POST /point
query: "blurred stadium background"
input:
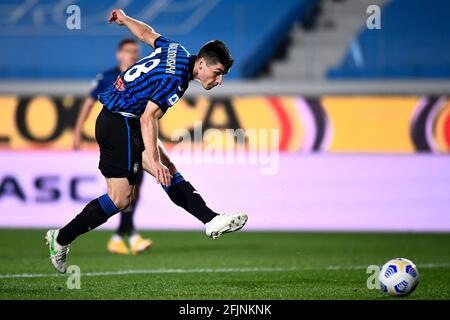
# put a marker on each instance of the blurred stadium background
(363, 114)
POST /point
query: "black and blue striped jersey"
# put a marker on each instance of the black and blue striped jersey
(103, 81)
(162, 77)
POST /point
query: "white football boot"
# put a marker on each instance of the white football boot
(225, 224)
(58, 253)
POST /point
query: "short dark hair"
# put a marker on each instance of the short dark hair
(125, 42)
(215, 51)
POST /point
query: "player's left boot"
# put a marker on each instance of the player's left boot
(58, 253)
(224, 224)
(139, 244)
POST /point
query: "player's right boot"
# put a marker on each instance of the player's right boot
(224, 224)
(58, 253)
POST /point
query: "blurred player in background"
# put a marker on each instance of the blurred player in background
(127, 54)
(127, 133)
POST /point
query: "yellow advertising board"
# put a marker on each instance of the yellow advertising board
(374, 124)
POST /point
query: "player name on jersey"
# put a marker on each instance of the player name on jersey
(171, 64)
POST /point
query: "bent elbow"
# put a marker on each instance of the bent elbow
(144, 120)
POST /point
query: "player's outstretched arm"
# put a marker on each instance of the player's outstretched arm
(81, 120)
(141, 30)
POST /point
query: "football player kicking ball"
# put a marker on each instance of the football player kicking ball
(127, 54)
(127, 133)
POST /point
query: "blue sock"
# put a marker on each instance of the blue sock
(177, 178)
(108, 206)
(93, 215)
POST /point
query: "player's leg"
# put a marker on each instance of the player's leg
(94, 214)
(120, 159)
(181, 192)
(98, 211)
(184, 195)
(113, 134)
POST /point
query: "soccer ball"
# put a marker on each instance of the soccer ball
(399, 277)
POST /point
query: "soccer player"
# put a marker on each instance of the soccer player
(127, 54)
(127, 133)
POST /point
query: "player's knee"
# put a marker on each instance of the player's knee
(122, 201)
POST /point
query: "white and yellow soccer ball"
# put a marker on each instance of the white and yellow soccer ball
(399, 277)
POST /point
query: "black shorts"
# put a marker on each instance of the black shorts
(121, 145)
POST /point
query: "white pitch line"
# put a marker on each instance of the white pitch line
(146, 271)
(220, 270)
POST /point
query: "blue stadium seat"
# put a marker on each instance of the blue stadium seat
(36, 43)
(412, 43)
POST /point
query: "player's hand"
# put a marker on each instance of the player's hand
(162, 173)
(117, 16)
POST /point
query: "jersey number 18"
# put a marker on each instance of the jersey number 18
(145, 67)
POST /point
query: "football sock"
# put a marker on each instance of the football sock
(183, 194)
(93, 215)
(126, 226)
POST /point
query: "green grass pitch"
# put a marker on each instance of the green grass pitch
(244, 265)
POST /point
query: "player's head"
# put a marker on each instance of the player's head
(213, 62)
(128, 52)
